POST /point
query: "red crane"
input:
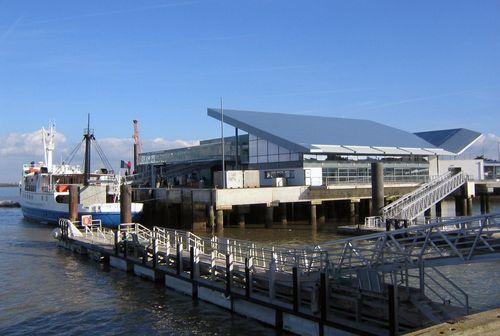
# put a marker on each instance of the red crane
(137, 145)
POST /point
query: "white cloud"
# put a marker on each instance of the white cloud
(26, 144)
(19, 148)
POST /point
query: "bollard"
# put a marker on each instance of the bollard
(296, 289)
(178, 262)
(323, 296)
(117, 241)
(392, 310)
(193, 274)
(229, 274)
(248, 276)
(155, 253)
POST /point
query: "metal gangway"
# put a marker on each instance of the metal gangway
(413, 204)
(359, 271)
(454, 241)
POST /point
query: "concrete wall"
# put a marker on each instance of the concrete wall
(473, 168)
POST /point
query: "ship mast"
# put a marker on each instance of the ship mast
(48, 136)
(88, 135)
(137, 145)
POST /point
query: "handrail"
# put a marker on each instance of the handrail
(409, 206)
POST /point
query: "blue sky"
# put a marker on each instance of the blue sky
(416, 65)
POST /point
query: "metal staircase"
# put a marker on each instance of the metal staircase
(411, 205)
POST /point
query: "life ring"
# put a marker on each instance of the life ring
(87, 220)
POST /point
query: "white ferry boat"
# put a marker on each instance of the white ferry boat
(44, 188)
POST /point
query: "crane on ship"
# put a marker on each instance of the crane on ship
(137, 144)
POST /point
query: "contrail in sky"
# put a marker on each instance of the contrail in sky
(11, 28)
(118, 11)
(418, 99)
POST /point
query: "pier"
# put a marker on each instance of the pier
(379, 284)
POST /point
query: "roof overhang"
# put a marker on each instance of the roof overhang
(258, 132)
(374, 150)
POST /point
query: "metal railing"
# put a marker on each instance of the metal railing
(413, 204)
(388, 179)
(451, 241)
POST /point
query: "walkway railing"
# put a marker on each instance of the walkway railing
(388, 179)
(411, 205)
(452, 241)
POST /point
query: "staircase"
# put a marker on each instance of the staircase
(411, 205)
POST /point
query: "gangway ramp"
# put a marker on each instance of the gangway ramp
(459, 240)
(413, 204)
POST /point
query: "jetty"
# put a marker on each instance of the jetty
(385, 283)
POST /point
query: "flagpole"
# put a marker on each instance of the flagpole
(222, 142)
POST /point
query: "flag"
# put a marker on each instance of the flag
(123, 164)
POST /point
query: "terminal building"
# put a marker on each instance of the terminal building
(294, 150)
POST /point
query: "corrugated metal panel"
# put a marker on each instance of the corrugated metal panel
(331, 149)
(416, 151)
(365, 150)
(393, 151)
(300, 132)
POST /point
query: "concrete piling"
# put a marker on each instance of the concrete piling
(73, 202)
(269, 216)
(377, 171)
(322, 218)
(219, 220)
(469, 206)
(487, 203)
(241, 220)
(314, 222)
(439, 210)
(352, 210)
(284, 220)
(125, 204)
(211, 216)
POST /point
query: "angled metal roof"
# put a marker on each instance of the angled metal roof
(453, 140)
(303, 133)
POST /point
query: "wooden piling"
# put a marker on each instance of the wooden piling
(125, 204)
(73, 202)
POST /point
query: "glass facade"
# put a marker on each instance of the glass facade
(206, 151)
(343, 172)
(263, 151)
(492, 171)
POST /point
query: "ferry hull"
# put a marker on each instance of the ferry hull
(108, 219)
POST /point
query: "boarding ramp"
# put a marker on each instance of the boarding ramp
(453, 241)
(413, 204)
(355, 275)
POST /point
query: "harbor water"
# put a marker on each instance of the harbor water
(47, 290)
